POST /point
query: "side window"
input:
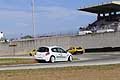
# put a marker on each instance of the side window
(60, 50)
(79, 48)
(54, 50)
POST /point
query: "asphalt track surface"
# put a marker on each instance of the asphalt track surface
(86, 59)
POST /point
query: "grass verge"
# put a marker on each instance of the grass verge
(12, 61)
(106, 72)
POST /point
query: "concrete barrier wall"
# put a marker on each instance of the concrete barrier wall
(87, 41)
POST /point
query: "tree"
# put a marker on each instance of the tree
(26, 37)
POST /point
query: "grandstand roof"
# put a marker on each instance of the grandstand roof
(104, 8)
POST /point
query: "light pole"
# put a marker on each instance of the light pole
(33, 20)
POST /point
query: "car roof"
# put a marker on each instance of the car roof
(50, 46)
(75, 47)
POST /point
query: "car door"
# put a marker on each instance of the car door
(56, 53)
(64, 55)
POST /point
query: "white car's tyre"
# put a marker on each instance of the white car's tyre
(52, 59)
(70, 59)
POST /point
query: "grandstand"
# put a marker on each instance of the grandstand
(108, 17)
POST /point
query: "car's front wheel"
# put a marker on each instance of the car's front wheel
(52, 59)
(70, 59)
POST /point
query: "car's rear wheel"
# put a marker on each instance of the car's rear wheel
(70, 59)
(52, 59)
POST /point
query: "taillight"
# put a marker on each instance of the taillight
(47, 53)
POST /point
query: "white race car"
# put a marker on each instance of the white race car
(52, 54)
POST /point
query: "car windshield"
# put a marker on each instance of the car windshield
(79, 48)
(43, 49)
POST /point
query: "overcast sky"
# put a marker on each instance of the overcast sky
(51, 16)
